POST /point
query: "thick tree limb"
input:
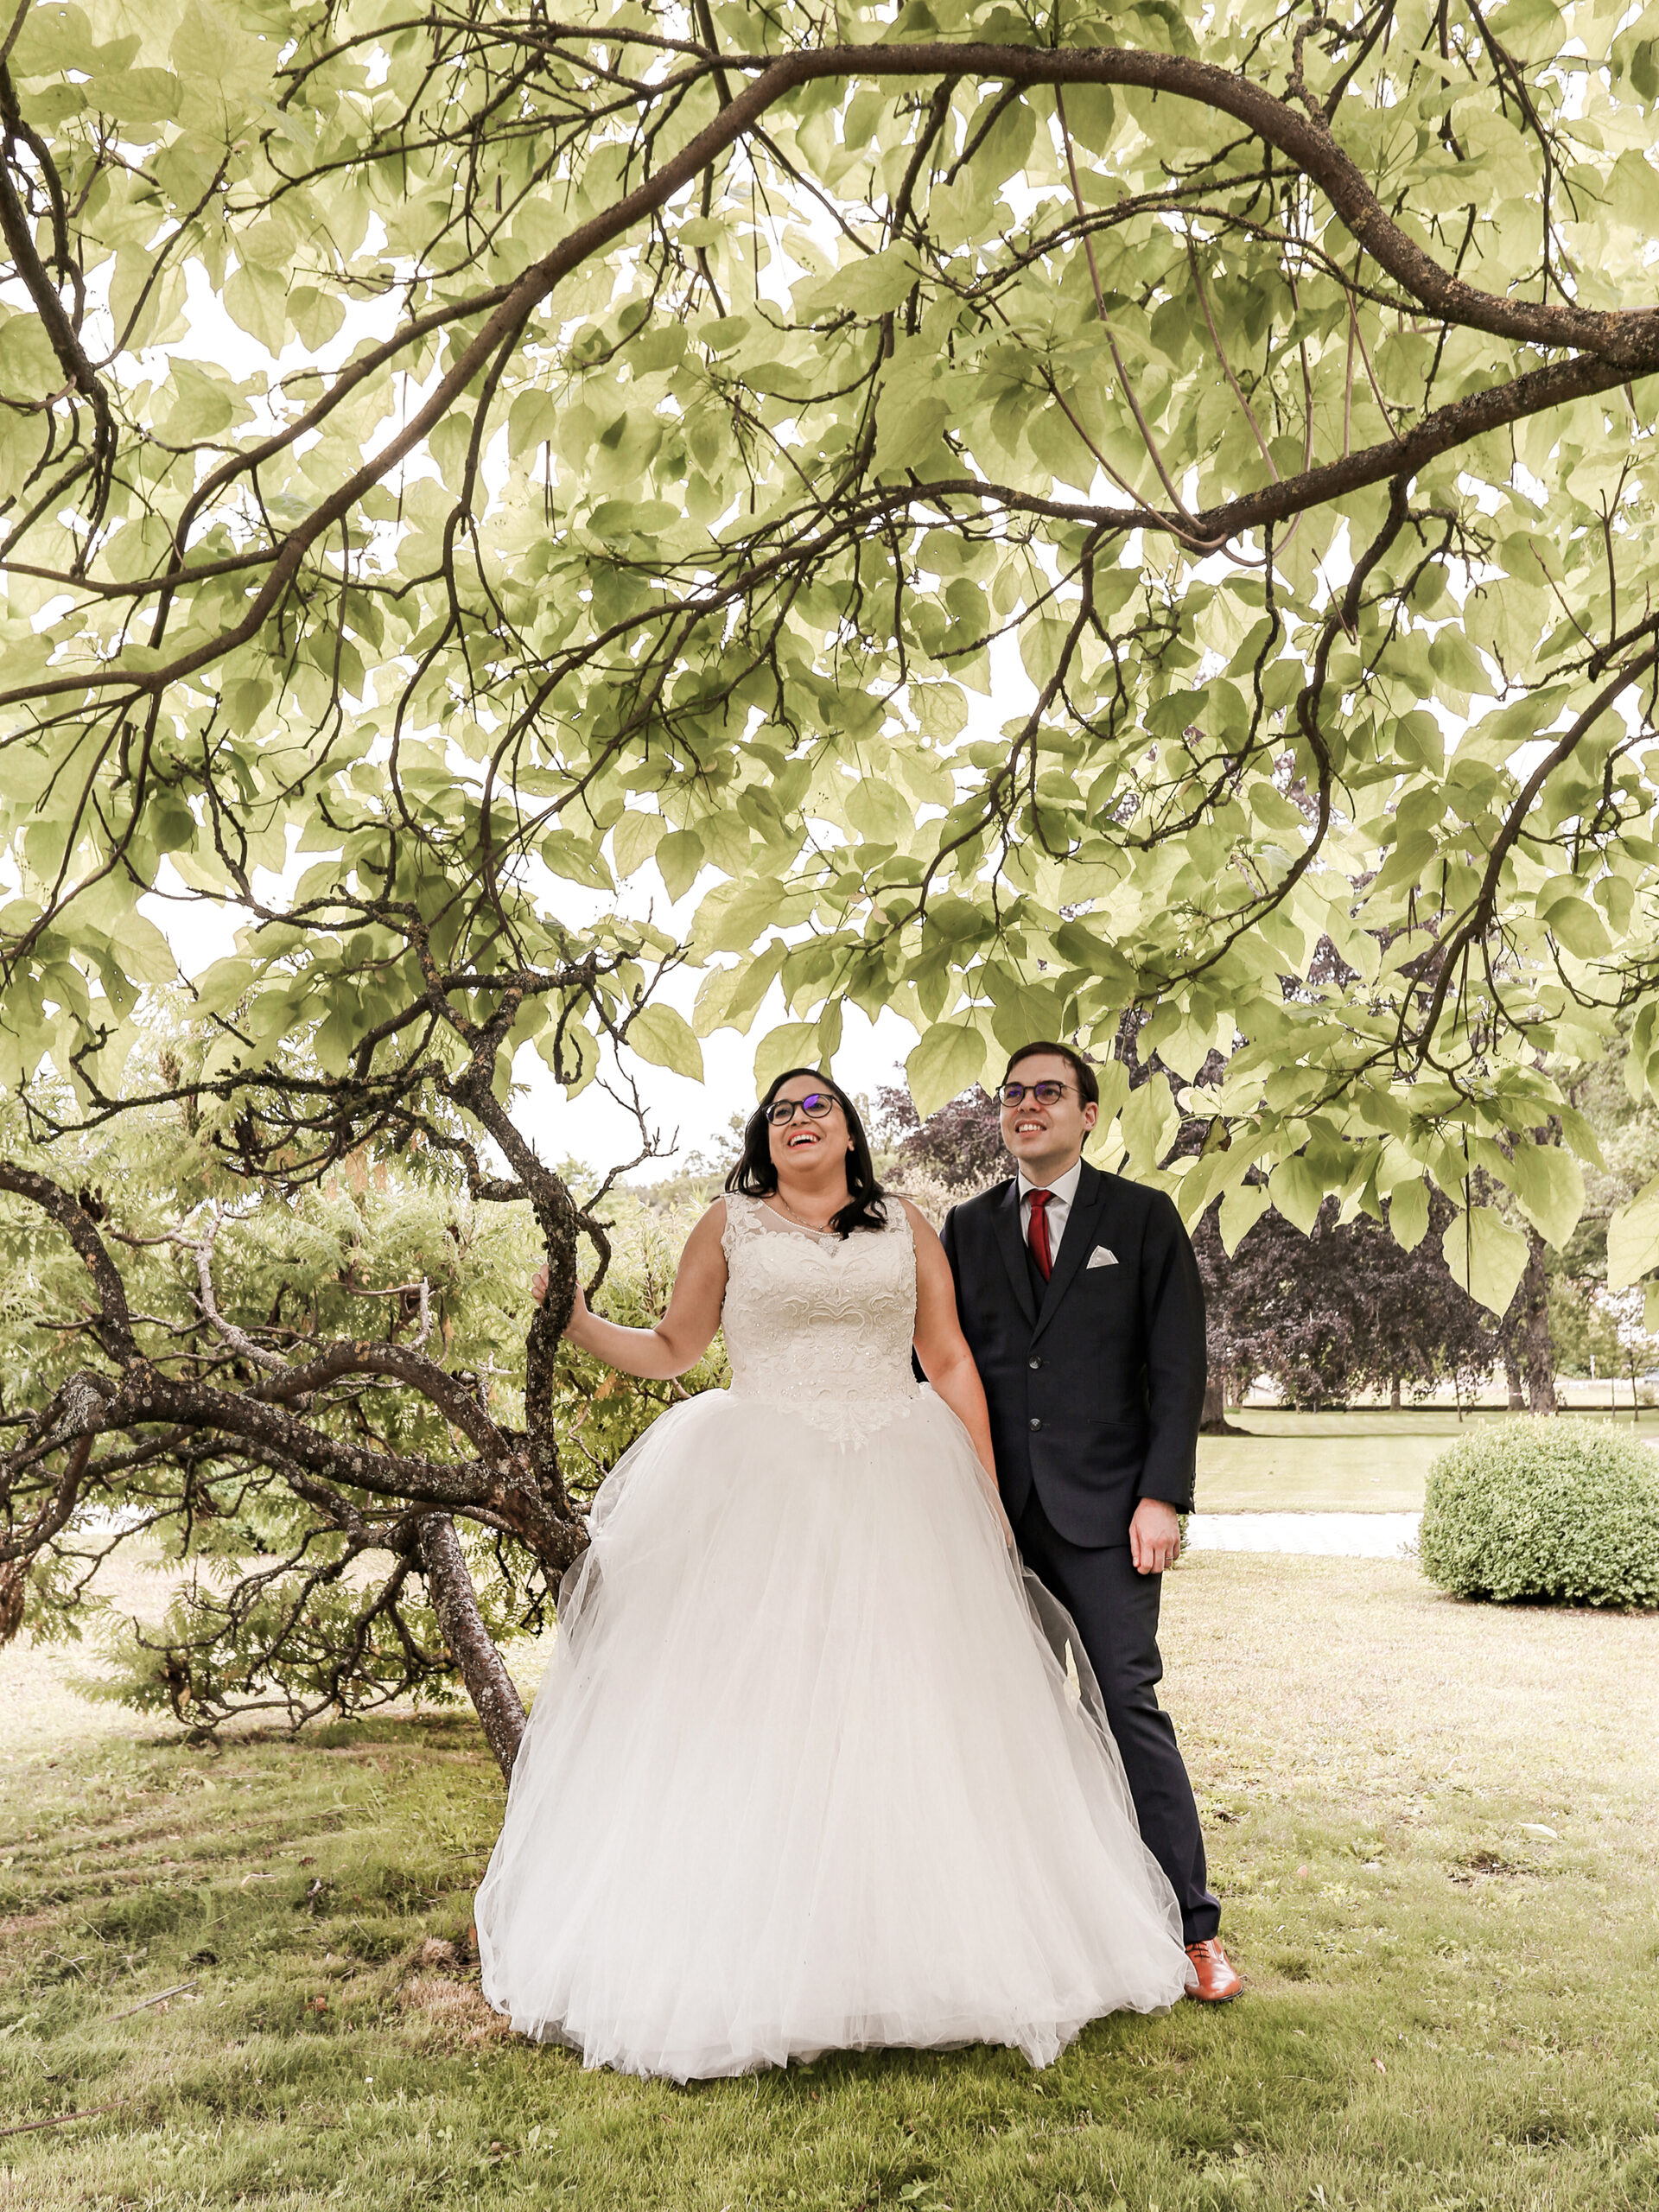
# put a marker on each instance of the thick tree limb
(495, 1697)
(114, 1324)
(1622, 345)
(503, 1493)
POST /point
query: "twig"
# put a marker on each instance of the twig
(239, 1340)
(144, 2003)
(1124, 385)
(1226, 366)
(28, 2126)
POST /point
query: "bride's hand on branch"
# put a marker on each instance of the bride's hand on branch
(578, 1306)
(686, 1330)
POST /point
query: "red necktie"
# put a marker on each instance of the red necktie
(1039, 1251)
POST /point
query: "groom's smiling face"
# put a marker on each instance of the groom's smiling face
(1044, 1137)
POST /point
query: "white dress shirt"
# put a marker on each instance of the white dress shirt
(1061, 1191)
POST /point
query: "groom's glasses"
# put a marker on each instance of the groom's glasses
(816, 1103)
(1045, 1093)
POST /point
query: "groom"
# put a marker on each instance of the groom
(1080, 1302)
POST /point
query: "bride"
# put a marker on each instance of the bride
(806, 1773)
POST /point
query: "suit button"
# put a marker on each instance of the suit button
(1033, 1365)
(1035, 1421)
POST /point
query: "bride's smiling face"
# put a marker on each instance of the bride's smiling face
(808, 1142)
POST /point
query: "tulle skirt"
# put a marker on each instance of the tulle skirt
(806, 1771)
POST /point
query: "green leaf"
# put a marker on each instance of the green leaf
(1149, 1122)
(733, 915)
(950, 1058)
(1486, 1257)
(257, 301)
(667, 1040)
(941, 709)
(877, 811)
(793, 1044)
(1576, 924)
(1405, 864)
(679, 856)
(1633, 1239)
(1298, 1191)
(634, 838)
(910, 428)
(136, 96)
(202, 405)
(872, 285)
(1408, 1213)
(1240, 1211)
(1548, 1185)
(1634, 192)
(315, 316)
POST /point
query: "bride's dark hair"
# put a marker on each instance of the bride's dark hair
(756, 1176)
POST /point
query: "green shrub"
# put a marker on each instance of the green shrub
(1545, 1508)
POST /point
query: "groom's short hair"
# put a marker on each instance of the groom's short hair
(1088, 1084)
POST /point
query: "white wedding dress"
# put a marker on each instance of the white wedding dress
(806, 1773)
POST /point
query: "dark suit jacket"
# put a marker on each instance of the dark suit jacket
(1096, 1398)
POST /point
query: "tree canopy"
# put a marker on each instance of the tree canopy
(1029, 511)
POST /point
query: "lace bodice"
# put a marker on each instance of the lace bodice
(821, 1324)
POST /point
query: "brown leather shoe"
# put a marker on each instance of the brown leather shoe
(1216, 1980)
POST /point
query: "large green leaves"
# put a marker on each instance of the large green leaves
(1486, 1257)
(1633, 1240)
(950, 1058)
(829, 537)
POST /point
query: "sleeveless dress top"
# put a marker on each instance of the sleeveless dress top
(805, 1771)
(820, 1324)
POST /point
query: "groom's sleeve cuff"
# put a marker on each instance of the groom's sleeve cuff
(1166, 1491)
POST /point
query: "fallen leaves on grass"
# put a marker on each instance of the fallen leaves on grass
(442, 1993)
(451, 2012)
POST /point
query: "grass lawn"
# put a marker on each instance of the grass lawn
(1369, 1460)
(1446, 2010)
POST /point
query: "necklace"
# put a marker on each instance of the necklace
(819, 1228)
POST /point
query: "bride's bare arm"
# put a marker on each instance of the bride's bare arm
(943, 1350)
(685, 1331)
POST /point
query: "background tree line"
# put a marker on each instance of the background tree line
(1341, 1310)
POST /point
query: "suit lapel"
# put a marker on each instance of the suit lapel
(1078, 1242)
(1012, 1245)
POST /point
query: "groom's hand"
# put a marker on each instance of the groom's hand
(1154, 1536)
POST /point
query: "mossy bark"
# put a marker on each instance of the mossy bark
(495, 1697)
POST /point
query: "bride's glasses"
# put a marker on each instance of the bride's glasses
(1045, 1093)
(816, 1103)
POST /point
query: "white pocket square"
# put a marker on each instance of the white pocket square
(1102, 1256)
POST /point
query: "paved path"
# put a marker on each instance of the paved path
(1346, 1535)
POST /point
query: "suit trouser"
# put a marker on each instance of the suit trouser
(1116, 1611)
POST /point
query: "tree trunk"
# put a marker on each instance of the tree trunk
(1536, 1353)
(499, 1708)
(1214, 1421)
(1394, 1393)
(11, 1598)
(1512, 1375)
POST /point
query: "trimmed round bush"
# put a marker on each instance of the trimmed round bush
(1561, 1510)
